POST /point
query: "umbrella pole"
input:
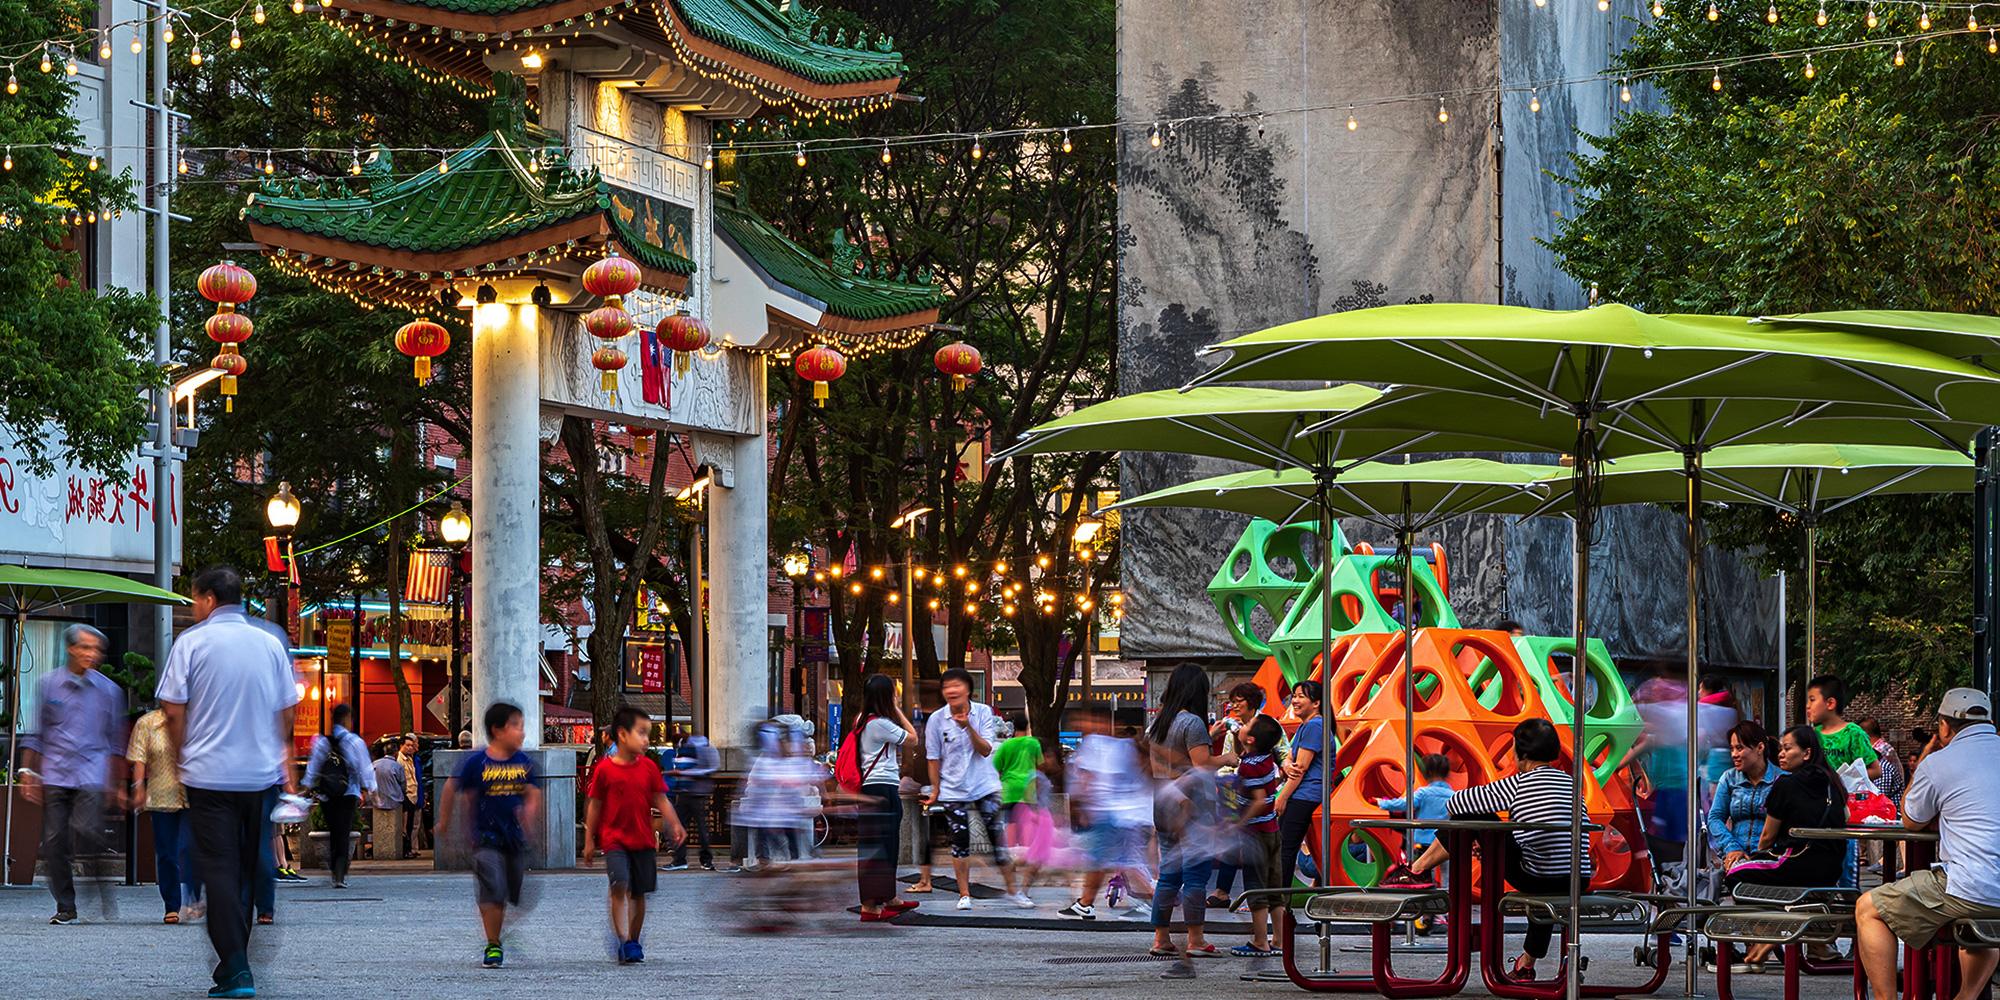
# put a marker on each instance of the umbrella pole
(1407, 540)
(1583, 487)
(1323, 866)
(13, 745)
(1691, 853)
(1812, 599)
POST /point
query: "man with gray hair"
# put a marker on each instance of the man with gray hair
(1956, 790)
(67, 761)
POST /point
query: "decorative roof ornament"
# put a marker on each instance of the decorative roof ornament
(845, 254)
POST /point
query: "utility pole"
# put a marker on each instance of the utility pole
(161, 129)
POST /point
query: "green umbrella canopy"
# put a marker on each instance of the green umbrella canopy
(1803, 478)
(1613, 357)
(1959, 335)
(26, 591)
(1438, 490)
(1270, 427)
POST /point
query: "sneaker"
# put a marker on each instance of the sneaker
(1401, 877)
(1181, 969)
(340, 883)
(494, 957)
(238, 986)
(1251, 951)
(681, 866)
(289, 875)
(630, 954)
(1021, 900)
(63, 917)
(965, 902)
(1079, 911)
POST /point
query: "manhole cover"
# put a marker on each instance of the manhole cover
(1101, 959)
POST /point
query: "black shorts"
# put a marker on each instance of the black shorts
(637, 872)
(499, 875)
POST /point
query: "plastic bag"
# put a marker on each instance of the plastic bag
(1866, 804)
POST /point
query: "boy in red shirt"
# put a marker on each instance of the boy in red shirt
(626, 791)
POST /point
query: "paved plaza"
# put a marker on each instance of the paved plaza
(414, 935)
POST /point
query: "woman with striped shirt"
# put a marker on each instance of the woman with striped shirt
(1537, 792)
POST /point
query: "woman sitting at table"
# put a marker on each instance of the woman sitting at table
(1808, 794)
(1736, 815)
(1537, 792)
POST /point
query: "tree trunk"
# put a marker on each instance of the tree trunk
(614, 583)
(399, 456)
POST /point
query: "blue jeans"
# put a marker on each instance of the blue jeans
(172, 865)
(1183, 880)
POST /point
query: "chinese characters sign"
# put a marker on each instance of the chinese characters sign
(81, 516)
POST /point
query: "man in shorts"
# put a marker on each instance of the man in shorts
(958, 741)
(1956, 789)
(499, 789)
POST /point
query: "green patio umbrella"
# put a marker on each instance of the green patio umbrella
(1684, 383)
(24, 592)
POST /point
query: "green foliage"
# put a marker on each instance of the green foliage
(1869, 186)
(136, 674)
(73, 362)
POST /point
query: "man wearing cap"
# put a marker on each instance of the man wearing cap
(1957, 789)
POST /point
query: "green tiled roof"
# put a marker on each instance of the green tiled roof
(844, 292)
(485, 193)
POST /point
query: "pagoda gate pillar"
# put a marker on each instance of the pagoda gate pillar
(739, 620)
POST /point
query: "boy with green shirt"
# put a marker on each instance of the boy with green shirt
(1016, 760)
(1843, 741)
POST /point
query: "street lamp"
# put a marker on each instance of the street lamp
(1088, 525)
(282, 512)
(704, 477)
(797, 563)
(455, 529)
(907, 520)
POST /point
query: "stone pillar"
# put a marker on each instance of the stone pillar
(506, 515)
(739, 638)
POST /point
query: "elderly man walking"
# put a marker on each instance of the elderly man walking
(228, 694)
(1957, 789)
(68, 761)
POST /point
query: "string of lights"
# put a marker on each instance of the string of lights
(966, 584)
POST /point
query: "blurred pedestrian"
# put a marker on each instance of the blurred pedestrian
(883, 731)
(499, 793)
(959, 741)
(1184, 815)
(1113, 805)
(157, 791)
(80, 732)
(338, 773)
(627, 813)
(228, 690)
(696, 761)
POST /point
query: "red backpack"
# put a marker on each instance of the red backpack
(847, 771)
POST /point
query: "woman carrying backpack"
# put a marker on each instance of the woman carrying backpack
(868, 763)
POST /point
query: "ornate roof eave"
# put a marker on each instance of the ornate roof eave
(900, 317)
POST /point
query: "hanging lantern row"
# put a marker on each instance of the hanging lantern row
(610, 279)
(228, 286)
(960, 361)
(683, 334)
(820, 366)
(423, 340)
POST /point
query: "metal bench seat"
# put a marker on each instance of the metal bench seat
(1811, 925)
(1377, 905)
(1673, 919)
(1599, 911)
(1977, 933)
(1789, 895)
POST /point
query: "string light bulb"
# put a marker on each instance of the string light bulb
(235, 38)
(1810, 72)
(887, 157)
(1541, 3)
(13, 85)
(1715, 82)
(104, 47)
(46, 65)
(1992, 44)
(1924, 18)
(354, 162)
(1871, 19)
(269, 167)
(1353, 123)
(854, 588)
(876, 573)
(194, 55)
(707, 159)
(799, 154)
(1624, 92)
(1899, 54)
(1000, 567)
(895, 598)
(977, 152)
(1820, 18)
(183, 165)
(971, 608)
(1603, 5)
(1771, 15)
(1066, 148)
(324, 4)
(1714, 13)
(1443, 115)
(137, 46)
(1534, 101)
(92, 165)
(257, 16)
(167, 32)
(1659, 10)
(8, 162)
(69, 63)
(298, 6)
(444, 162)
(1154, 137)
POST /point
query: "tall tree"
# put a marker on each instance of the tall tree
(77, 357)
(1865, 185)
(1021, 236)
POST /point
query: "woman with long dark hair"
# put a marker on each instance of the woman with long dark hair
(1184, 814)
(1808, 794)
(1304, 785)
(881, 730)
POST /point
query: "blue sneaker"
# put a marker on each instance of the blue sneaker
(630, 953)
(494, 957)
(239, 986)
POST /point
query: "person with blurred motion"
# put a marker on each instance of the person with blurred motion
(958, 742)
(228, 690)
(339, 774)
(156, 790)
(1956, 789)
(882, 730)
(1184, 816)
(1112, 800)
(627, 813)
(67, 762)
(695, 762)
(498, 791)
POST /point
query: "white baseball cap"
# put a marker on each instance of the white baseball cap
(1970, 704)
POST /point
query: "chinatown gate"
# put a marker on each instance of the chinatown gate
(599, 143)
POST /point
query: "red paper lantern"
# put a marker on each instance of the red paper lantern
(227, 284)
(960, 361)
(229, 329)
(608, 322)
(609, 360)
(642, 441)
(231, 365)
(820, 366)
(611, 278)
(684, 335)
(423, 340)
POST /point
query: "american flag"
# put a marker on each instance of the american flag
(428, 571)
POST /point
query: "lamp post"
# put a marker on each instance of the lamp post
(455, 529)
(907, 521)
(797, 564)
(1087, 527)
(704, 477)
(282, 513)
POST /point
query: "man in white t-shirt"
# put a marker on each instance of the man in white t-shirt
(227, 690)
(958, 742)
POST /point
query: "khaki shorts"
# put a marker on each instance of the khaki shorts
(1917, 907)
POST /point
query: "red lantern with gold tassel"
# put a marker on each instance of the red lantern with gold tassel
(423, 340)
(227, 285)
(684, 335)
(229, 329)
(960, 361)
(231, 365)
(820, 366)
(609, 360)
(611, 279)
(642, 441)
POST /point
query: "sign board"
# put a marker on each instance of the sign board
(340, 646)
(652, 664)
(76, 518)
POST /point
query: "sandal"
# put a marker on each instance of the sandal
(1164, 951)
(920, 887)
(1205, 951)
(1252, 951)
(1524, 967)
(1217, 901)
(172, 918)
(877, 917)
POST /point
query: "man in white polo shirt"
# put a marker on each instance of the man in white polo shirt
(958, 740)
(227, 691)
(1955, 788)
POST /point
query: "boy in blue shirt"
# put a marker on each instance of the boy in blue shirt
(1430, 800)
(500, 792)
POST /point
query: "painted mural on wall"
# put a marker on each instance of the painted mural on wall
(1232, 227)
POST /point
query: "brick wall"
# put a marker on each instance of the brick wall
(1898, 714)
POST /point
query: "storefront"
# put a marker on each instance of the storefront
(424, 659)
